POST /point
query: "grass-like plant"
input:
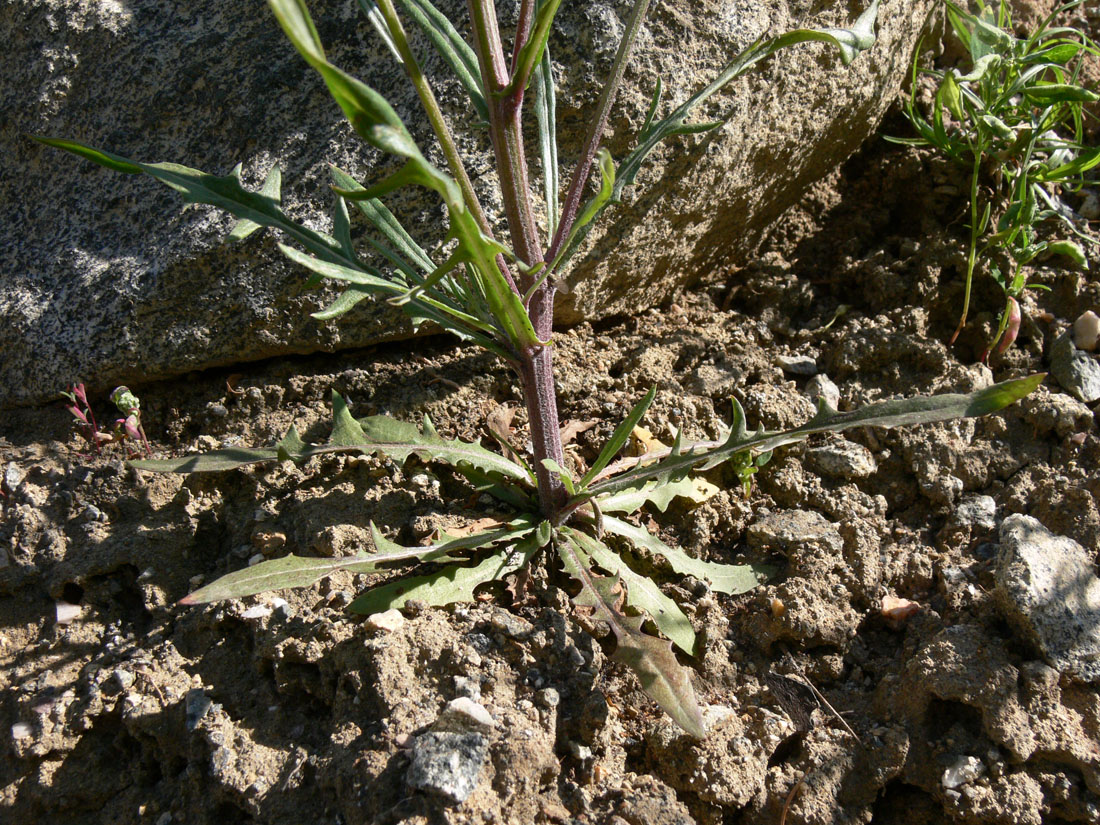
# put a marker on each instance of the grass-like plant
(1016, 120)
(494, 286)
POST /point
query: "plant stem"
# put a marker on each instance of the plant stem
(971, 258)
(536, 364)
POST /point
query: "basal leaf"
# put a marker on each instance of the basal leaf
(659, 493)
(642, 593)
(896, 413)
(299, 571)
(454, 583)
(619, 437)
(662, 678)
(725, 578)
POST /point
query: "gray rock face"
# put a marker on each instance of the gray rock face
(1048, 589)
(1076, 370)
(112, 279)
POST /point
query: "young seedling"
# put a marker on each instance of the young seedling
(126, 428)
(495, 288)
(1016, 120)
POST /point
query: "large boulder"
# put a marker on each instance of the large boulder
(110, 278)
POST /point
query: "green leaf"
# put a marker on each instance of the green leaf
(1044, 94)
(375, 434)
(896, 413)
(456, 53)
(546, 119)
(725, 578)
(532, 51)
(1071, 250)
(659, 493)
(652, 660)
(454, 583)
(619, 437)
(225, 192)
(642, 593)
(271, 189)
(298, 571)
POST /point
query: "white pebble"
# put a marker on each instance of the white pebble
(389, 621)
(1086, 330)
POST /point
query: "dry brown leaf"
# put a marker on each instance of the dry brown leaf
(499, 424)
(574, 428)
(642, 441)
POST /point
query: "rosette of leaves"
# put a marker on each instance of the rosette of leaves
(494, 286)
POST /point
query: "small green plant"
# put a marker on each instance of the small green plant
(1016, 120)
(499, 294)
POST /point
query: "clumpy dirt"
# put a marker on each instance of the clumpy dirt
(874, 678)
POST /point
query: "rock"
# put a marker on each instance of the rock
(1047, 411)
(387, 621)
(119, 281)
(789, 528)
(821, 387)
(1086, 331)
(977, 511)
(796, 364)
(1047, 588)
(963, 770)
(462, 715)
(447, 764)
(1077, 371)
(13, 476)
(196, 705)
(842, 459)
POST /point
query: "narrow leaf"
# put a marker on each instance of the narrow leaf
(272, 189)
(454, 583)
(642, 593)
(662, 678)
(619, 437)
(532, 50)
(725, 578)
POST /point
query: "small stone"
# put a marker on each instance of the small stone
(822, 388)
(217, 410)
(465, 686)
(842, 459)
(281, 609)
(1077, 371)
(124, 678)
(511, 625)
(388, 621)
(548, 697)
(164, 819)
(67, 613)
(255, 559)
(977, 511)
(796, 364)
(1090, 206)
(1086, 331)
(1047, 588)
(447, 764)
(259, 611)
(13, 476)
(21, 730)
(196, 704)
(268, 541)
(464, 714)
(790, 528)
(963, 770)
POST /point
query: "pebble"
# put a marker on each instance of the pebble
(1047, 588)
(1086, 331)
(842, 459)
(67, 613)
(1076, 370)
(21, 730)
(464, 714)
(821, 387)
(789, 528)
(447, 764)
(977, 511)
(281, 609)
(963, 770)
(196, 704)
(796, 364)
(255, 559)
(13, 476)
(465, 686)
(1090, 206)
(217, 410)
(548, 698)
(511, 625)
(388, 621)
(123, 678)
(259, 611)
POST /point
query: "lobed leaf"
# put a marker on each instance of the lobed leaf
(454, 583)
(642, 593)
(732, 579)
(662, 678)
(896, 413)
